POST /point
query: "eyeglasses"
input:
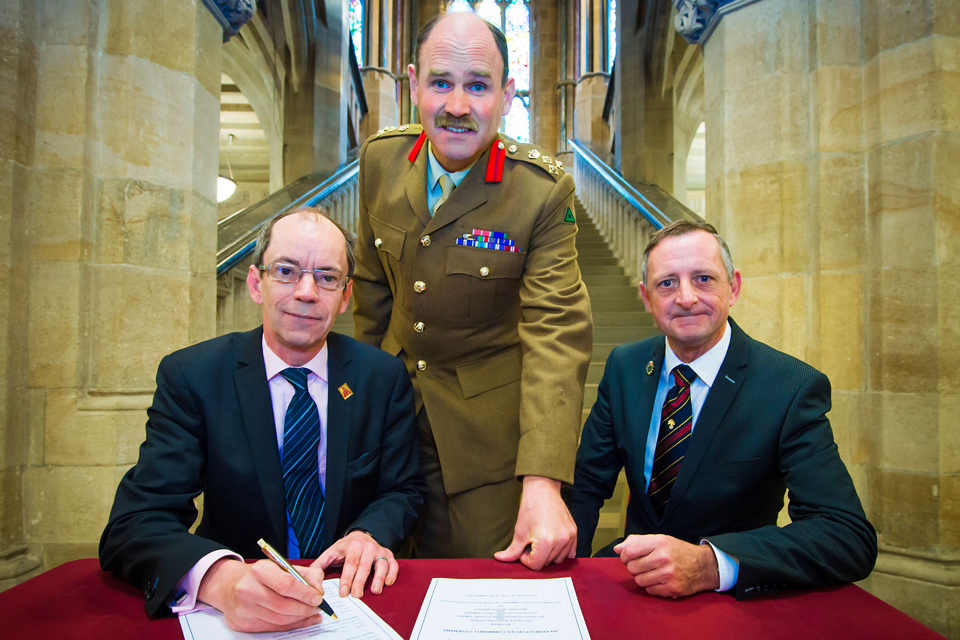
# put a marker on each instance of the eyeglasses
(289, 274)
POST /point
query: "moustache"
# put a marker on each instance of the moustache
(445, 120)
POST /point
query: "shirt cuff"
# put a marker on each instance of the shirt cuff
(185, 600)
(728, 567)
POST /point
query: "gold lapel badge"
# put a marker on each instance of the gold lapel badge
(650, 368)
(345, 391)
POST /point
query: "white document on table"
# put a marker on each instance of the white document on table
(501, 610)
(355, 621)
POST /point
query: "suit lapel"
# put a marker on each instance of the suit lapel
(465, 198)
(725, 388)
(339, 423)
(256, 408)
(642, 414)
(415, 186)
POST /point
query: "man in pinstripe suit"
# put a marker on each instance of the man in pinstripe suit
(712, 427)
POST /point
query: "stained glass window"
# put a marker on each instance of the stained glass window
(611, 33)
(515, 16)
(356, 28)
(489, 10)
(518, 46)
(459, 5)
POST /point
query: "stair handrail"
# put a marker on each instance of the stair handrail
(627, 191)
(235, 251)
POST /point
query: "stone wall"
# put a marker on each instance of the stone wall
(108, 160)
(832, 161)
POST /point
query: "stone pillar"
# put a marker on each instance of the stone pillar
(832, 164)
(315, 115)
(591, 78)
(108, 164)
(379, 77)
(545, 73)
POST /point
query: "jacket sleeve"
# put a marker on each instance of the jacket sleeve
(556, 336)
(147, 541)
(598, 466)
(829, 540)
(372, 297)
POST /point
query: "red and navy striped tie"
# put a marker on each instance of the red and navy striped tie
(676, 423)
(301, 478)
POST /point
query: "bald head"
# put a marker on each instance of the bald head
(458, 26)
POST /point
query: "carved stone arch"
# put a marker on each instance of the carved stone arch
(250, 62)
(688, 112)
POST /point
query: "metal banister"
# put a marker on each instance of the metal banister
(626, 191)
(237, 233)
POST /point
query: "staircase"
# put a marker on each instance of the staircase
(618, 317)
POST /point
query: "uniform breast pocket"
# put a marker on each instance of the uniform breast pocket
(490, 279)
(389, 240)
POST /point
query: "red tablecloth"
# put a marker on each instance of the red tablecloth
(78, 601)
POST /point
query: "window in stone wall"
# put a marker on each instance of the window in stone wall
(611, 33)
(356, 28)
(513, 18)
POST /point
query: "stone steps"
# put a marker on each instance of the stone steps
(618, 316)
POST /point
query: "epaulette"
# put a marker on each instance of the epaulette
(404, 129)
(531, 153)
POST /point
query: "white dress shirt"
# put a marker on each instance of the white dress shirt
(281, 393)
(706, 367)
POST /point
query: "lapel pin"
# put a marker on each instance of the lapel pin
(345, 391)
(650, 368)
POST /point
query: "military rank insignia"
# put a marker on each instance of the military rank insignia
(345, 391)
(570, 218)
(482, 239)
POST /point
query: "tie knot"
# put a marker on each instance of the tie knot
(297, 377)
(683, 375)
(446, 185)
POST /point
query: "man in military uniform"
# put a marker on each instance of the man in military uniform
(467, 270)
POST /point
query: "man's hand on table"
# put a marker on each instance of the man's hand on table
(262, 596)
(666, 566)
(543, 523)
(359, 553)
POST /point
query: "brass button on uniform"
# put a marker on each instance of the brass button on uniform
(484, 271)
(419, 286)
(377, 243)
(425, 241)
(418, 327)
(422, 365)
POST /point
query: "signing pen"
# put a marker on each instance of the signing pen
(286, 566)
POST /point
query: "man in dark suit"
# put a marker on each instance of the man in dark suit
(712, 427)
(348, 489)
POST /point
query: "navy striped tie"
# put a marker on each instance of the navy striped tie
(301, 479)
(676, 424)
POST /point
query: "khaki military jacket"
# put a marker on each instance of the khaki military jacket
(497, 342)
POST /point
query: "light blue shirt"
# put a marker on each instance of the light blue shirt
(434, 171)
(706, 367)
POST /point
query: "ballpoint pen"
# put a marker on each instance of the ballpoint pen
(286, 566)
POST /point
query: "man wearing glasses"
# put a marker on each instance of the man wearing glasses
(293, 434)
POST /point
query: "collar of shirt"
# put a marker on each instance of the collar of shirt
(434, 171)
(706, 366)
(274, 364)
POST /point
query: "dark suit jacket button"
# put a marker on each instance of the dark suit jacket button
(148, 592)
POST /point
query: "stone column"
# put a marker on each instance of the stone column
(379, 77)
(315, 115)
(832, 164)
(591, 79)
(108, 163)
(545, 73)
